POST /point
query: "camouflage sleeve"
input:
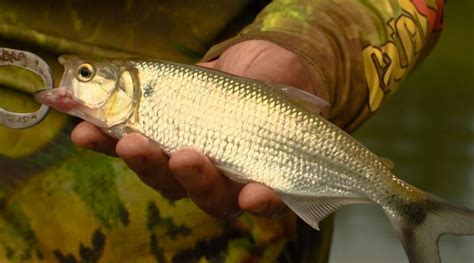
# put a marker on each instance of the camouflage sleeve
(357, 50)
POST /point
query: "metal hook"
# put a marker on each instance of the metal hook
(33, 63)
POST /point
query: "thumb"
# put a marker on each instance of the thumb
(263, 60)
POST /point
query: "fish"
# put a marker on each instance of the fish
(254, 131)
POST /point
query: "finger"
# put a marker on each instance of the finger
(210, 64)
(265, 61)
(260, 200)
(211, 191)
(147, 160)
(88, 136)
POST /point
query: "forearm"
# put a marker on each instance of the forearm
(356, 52)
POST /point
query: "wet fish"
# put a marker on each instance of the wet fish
(254, 131)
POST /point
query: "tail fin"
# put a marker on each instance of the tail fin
(421, 227)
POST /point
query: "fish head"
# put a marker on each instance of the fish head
(102, 92)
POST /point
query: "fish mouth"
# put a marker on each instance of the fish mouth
(60, 99)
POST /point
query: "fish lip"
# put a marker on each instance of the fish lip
(59, 98)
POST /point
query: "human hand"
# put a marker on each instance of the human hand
(189, 173)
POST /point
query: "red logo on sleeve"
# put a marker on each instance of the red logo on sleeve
(435, 15)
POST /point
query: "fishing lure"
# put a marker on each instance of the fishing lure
(33, 63)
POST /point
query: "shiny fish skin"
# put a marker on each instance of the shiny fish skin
(245, 126)
(254, 131)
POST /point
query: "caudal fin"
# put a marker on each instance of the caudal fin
(419, 234)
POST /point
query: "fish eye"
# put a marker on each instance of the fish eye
(86, 72)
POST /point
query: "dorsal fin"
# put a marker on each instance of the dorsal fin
(314, 209)
(302, 98)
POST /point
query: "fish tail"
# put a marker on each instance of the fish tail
(421, 225)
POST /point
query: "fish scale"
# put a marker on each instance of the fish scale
(255, 131)
(270, 148)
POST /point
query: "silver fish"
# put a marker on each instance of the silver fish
(254, 131)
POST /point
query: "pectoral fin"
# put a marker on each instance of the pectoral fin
(314, 209)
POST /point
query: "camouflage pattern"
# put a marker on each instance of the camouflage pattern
(64, 204)
(358, 51)
(59, 203)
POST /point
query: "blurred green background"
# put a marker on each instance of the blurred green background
(427, 129)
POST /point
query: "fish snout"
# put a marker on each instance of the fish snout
(60, 99)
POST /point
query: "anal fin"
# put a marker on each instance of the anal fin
(314, 209)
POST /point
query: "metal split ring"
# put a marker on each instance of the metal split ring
(33, 63)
